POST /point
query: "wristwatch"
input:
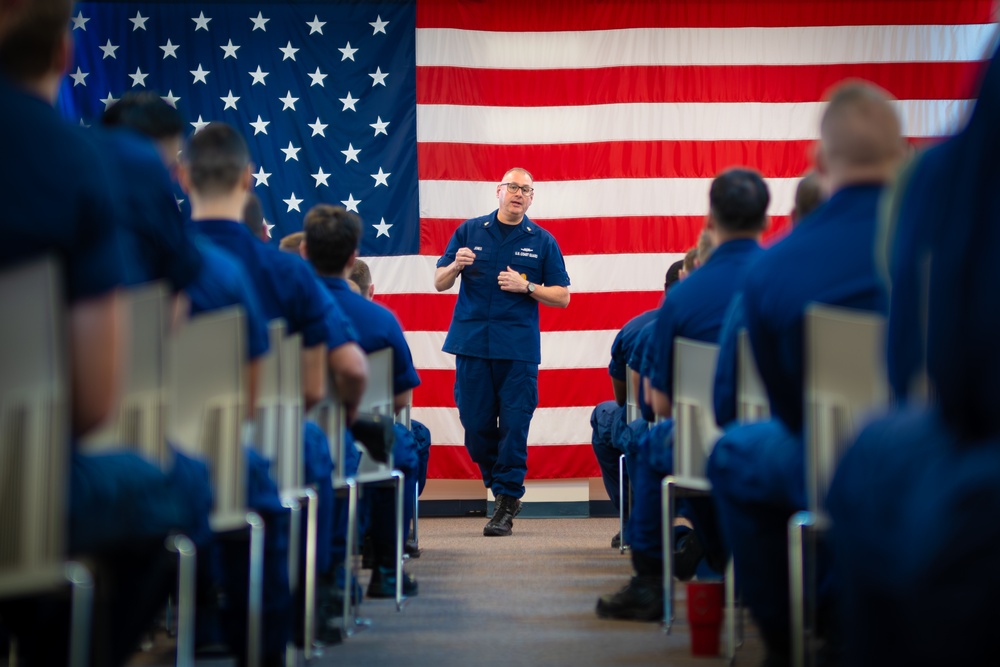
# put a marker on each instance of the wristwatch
(531, 287)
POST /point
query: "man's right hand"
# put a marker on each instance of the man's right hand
(463, 258)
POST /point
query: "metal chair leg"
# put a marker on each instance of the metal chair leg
(82, 585)
(731, 612)
(400, 491)
(186, 564)
(796, 584)
(312, 542)
(622, 546)
(352, 527)
(667, 498)
(416, 515)
(255, 596)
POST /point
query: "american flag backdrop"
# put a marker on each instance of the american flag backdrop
(410, 113)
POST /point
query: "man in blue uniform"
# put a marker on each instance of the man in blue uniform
(215, 172)
(757, 470)
(332, 238)
(738, 201)
(119, 506)
(508, 266)
(914, 500)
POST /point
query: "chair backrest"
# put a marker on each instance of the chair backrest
(695, 431)
(207, 399)
(34, 421)
(845, 381)
(751, 397)
(139, 424)
(267, 407)
(377, 400)
(632, 409)
(290, 466)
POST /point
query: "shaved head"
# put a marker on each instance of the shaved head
(860, 130)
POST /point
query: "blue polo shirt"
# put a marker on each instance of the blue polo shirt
(222, 282)
(157, 243)
(695, 307)
(57, 196)
(488, 322)
(285, 284)
(828, 259)
(377, 329)
(624, 344)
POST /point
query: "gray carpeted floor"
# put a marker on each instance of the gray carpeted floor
(527, 599)
(512, 601)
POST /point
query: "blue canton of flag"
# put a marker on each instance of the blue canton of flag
(324, 93)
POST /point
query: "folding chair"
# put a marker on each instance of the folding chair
(751, 398)
(207, 399)
(140, 426)
(632, 412)
(34, 448)
(845, 381)
(330, 415)
(695, 434)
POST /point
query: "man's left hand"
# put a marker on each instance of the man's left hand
(511, 281)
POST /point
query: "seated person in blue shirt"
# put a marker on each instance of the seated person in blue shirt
(694, 309)
(361, 278)
(215, 172)
(757, 470)
(332, 239)
(609, 416)
(120, 507)
(914, 501)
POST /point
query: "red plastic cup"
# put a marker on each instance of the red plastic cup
(704, 605)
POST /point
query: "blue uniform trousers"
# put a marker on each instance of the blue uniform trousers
(318, 471)
(380, 503)
(422, 437)
(758, 482)
(602, 423)
(916, 544)
(496, 399)
(352, 457)
(654, 460)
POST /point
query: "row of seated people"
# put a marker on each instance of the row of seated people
(101, 202)
(880, 580)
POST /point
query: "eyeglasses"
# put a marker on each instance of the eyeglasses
(514, 187)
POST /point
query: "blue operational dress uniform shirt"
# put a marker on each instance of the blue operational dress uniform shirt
(756, 470)
(497, 342)
(64, 207)
(694, 308)
(157, 243)
(725, 385)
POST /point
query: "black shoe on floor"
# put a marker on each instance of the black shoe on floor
(616, 541)
(687, 556)
(383, 583)
(641, 600)
(504, 511)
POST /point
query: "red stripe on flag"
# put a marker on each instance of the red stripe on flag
(501, 16)
(588, 310)
(544, 462)
(613, 159)
(674, 84)
(557, 387)
(599, 236)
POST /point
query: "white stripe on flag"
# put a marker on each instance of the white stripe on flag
(692, 121)
(414, 274)
(549, 426)
(702, 46)
(560, 349)
(598, 198)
